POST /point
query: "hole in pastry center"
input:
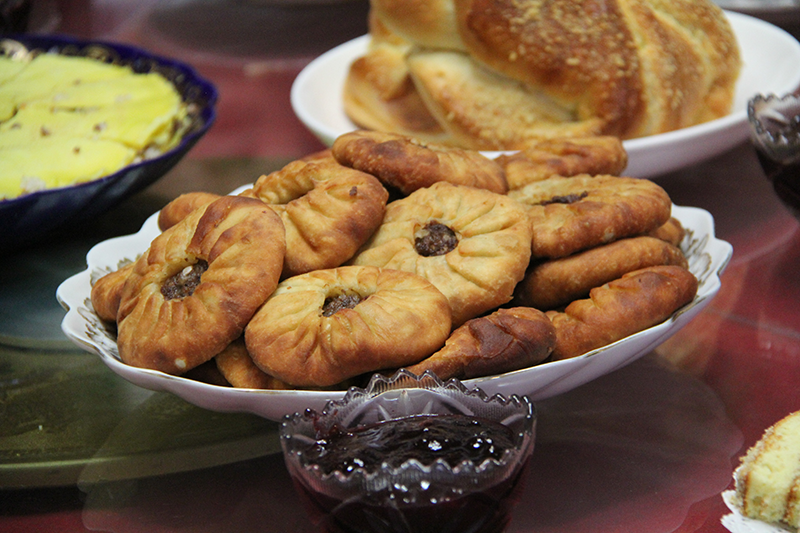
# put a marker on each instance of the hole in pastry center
(333, 304)
(435, 239)
(566, 199)
(184, 282)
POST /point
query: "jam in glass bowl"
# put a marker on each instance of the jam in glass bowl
(410, 454)
(775, 133)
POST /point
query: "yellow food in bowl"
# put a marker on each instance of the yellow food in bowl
(65, 120)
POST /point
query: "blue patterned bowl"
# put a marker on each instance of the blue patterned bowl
(31, 217)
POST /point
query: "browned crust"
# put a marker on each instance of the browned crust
(400, 319)
(635, 302)
(483, 110)
(574, 52)
(180, 207)
(592, 210)
(502, 74)
(557, 282)
(328, 210)
(491, 256)
(242, 240)
(238, 368)
(378, 92)
(672, 231)
(506, 340)
(564, 157)
(694, 60)
(641, 67)
(408, 164)
(107, 291)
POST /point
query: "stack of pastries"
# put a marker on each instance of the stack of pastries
(386, 252)
(503, 74)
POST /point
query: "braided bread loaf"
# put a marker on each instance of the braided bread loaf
(502, 74)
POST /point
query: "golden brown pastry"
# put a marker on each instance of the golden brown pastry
(238, 368)
(107, 291)
(581, 212)
(198, 284)
(180, 207)
(472, 244)
(378, 92)
(326, 326)
(407, 164)
(328, 210)
(426, 23)
(636, 301)
(506, 340)
(557, 282)
(480, 109)
(672, 231)
(501, 74)
(564, 157)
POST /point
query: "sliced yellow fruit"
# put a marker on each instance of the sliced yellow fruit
(58, 162)
(65, 120)
(47, 72)
(9, 68)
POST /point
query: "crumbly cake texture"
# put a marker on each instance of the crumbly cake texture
(768, 479)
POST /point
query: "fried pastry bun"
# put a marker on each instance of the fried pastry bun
(503, 74)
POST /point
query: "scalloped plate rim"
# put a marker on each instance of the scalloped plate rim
(537, 382)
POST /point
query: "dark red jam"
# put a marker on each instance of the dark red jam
(486, 511)
(452, 438)
(785, 180)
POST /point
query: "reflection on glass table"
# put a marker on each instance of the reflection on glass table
(637, 447)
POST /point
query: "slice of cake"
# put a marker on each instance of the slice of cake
(768, 479)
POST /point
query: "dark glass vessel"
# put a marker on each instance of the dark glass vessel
(410, 454)
(775, 132)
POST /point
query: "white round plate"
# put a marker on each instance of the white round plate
(707, 257)
(781, 12)
(770, 56)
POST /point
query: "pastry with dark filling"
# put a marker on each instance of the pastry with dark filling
(193, 291)
(326, 326)
(472, 244)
